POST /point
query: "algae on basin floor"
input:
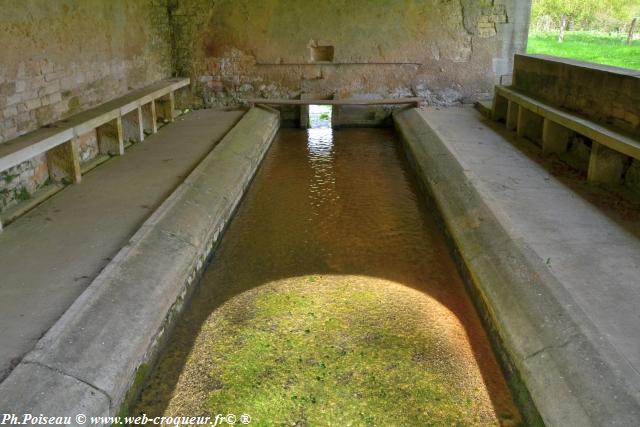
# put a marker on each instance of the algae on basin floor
(332, 301)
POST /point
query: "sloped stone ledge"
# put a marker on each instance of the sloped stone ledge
(571, 373)
(93, 359)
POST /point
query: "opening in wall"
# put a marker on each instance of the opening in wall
(320, 116)
(321, 53)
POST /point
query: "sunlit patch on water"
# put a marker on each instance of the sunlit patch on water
(322, 187)
(332, 300)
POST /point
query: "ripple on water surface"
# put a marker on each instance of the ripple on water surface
(332, 301)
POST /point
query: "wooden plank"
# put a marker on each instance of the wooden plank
(23, 148)
(154, 118)
(390, 101)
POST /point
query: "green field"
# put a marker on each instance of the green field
(600, 48)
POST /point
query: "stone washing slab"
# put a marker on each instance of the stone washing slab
(118, 324)
(568, 327)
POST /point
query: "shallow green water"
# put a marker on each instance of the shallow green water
(332, 301)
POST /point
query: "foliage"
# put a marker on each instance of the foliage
(602, 15)
(601, 48)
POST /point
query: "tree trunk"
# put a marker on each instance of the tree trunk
(563, 26)
(632, 30)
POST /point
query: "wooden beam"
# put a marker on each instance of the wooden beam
(140, 125)
(391, 101)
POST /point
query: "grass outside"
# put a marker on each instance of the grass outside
(591, 46)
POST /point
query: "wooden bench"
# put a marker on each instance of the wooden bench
(610, 148)
(57, 140)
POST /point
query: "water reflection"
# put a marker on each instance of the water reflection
(320, 116)
(322, 186)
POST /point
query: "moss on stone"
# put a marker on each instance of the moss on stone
(327, 350)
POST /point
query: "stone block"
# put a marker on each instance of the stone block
(132, 126)
(529, 125)
(500, 107)
(149, 118)
(21, 85)
(13, 99)
(10, 111)
(555, 137)
(56, 75)
(606, 165)
(63, 162)
(513, 112)
(111, 138)
(49, 88)
(22, 393)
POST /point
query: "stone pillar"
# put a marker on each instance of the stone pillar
(555, 137)
(499, 108)
(513, 111)
(110, 138)
(606, 165)
(63, 162)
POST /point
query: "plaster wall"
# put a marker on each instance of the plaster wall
(447, 51)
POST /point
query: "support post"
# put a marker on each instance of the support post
(522, 121)
(140, 125)
(606, 165)
(499, 107)
(513, 111)
(529, 125)
(110, 138)
(63, 162)
(555, 137)
(149, 118)
(166, 109)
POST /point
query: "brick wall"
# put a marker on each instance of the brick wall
(61, 57)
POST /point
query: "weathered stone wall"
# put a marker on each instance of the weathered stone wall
(61, 57)
(444, 50)
(602, 93)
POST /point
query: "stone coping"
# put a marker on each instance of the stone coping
(571, 371)
(627, 72)
(95, 358)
